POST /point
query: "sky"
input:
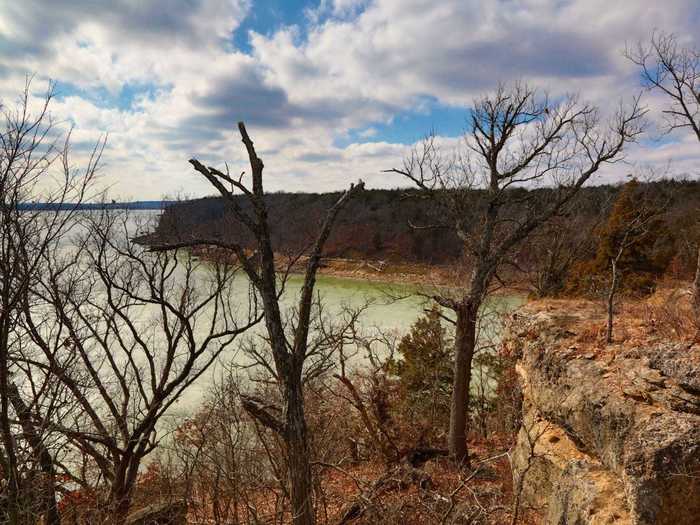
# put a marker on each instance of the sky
(330, 90)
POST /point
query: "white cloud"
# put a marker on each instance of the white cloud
(367, 133)
(357, 63)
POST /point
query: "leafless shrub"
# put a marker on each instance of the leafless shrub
(34, 164)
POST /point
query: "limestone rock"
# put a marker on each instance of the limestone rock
(607, 439)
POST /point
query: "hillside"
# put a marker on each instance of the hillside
(399, 226)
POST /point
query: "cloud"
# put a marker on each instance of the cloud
(397, 51)
(354, 69)
(367, 133)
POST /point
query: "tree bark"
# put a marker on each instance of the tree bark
(301, 488)
(120, 495)
(8, 441)
(120, 503)
(465, 344)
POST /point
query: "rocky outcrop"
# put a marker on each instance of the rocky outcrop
(609, 434)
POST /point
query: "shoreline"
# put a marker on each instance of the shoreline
(382, 271)
(368, 270)
(412, 274)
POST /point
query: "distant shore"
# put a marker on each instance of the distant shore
(368, 270)
(348, 268)
(382, 271)
(402, 273)
(90, 206)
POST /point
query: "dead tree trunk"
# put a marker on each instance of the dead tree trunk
(289, 350)
(614, 279)
(301, 485)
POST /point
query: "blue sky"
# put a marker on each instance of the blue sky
(272, 15)
(124, 99)
(331, 90)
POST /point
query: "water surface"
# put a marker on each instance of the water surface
(382, 309)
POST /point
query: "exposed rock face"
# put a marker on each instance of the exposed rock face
(609, 435)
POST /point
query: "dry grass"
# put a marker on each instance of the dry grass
(669, 314)
(449, 496)
(665, 316)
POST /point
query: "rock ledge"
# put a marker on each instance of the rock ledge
(609, 435)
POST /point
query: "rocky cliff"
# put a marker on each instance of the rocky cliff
(610, 434)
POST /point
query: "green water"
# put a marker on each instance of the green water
(389, 307)
(392, 306)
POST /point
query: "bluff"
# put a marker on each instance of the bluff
(609, 434)
(401, 225)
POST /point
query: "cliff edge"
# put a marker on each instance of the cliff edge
(610, 433)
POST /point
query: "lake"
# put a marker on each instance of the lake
(383, 312)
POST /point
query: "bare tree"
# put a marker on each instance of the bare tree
(517, 138)
(630, 234)
(631, 230)
(614, 282)
(34, 165)
(127, 332)
(288, 339)
(674, 70)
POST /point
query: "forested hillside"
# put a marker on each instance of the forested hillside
(400, 226)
